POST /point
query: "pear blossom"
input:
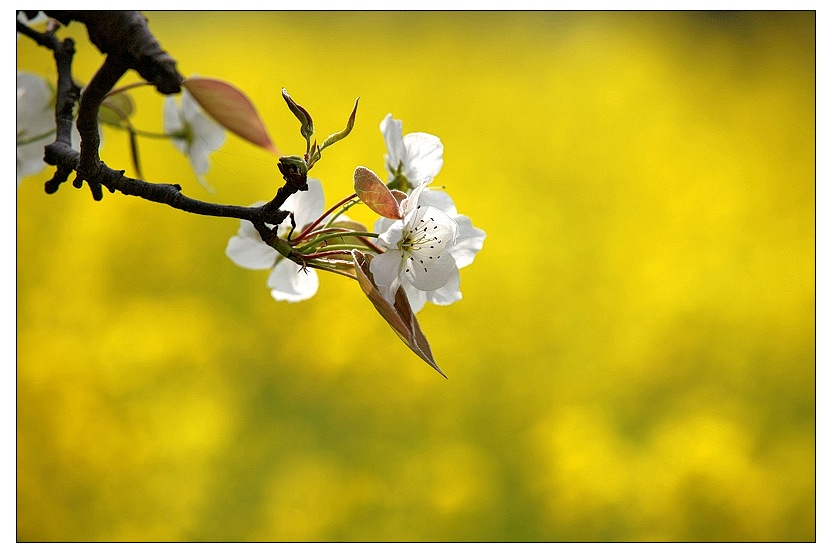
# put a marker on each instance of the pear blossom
(415, 157)
(287, 280)
(35, 122)
(469, 241)
(417, 250)
(194, 134)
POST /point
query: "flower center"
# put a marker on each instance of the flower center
(421, 235)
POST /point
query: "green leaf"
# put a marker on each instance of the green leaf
(372, 191)
(230, 108)
(335, 137)
(398, 315)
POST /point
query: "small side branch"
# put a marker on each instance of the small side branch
(104, 80)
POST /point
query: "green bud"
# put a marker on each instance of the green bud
(293, 169)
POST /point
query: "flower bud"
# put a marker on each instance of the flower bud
(293, 169)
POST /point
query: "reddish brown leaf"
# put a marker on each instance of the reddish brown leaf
(399, 316)
(373, 192)
(230, 108)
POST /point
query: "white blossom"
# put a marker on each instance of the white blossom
(35, 122)
(416, 156)
(194, 133)
(417, 250)
(287, 280)
(469, 241)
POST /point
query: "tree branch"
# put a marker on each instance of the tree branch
(128, 43)
(104, 80)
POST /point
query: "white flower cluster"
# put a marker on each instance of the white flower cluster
(421, 252)
(425, 249)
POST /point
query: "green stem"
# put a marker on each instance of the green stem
(340, 247)
(128, 87)
(325, 237)
(326, 254)
(148, 134)
(329, 230)
(322, 267)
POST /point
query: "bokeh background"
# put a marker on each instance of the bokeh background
(633, 358)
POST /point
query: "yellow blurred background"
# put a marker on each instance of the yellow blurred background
(633, 358)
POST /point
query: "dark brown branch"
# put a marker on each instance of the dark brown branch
(63, 155)
(126, 34)
(128, 43)
(47, 40)
(67, 96)
(103, 81)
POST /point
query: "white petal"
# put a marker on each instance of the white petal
(306, 205)
(447, 294)
(198, 155)
(386, 270)
(392, 131)
(34, 102)
(173, 124)
(469, 240)
(423, 159)
(411, 203)
(438, 199)
(170, 116)
(290, 282)
(206, 136)
(190, 108)
(35, 117)
(430, 273)
(248, 250)
(210, 133)
(30, 158)
(39, 18)
(415, 297)
(392, 236)
(382, 224)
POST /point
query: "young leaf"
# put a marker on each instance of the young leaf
(398, 315)
(335, 137)
(230, 108)
(307, 128)
(375, 194)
